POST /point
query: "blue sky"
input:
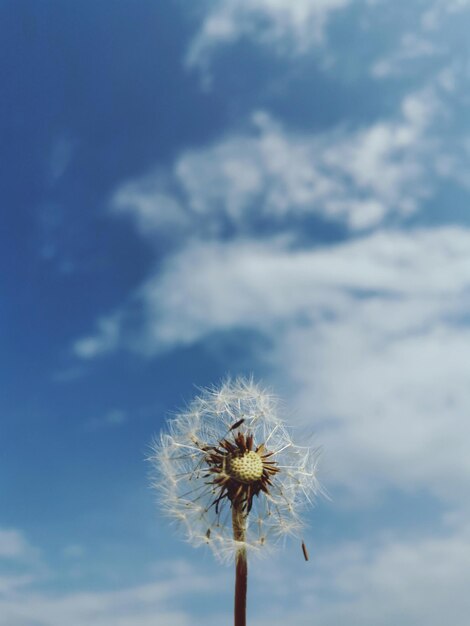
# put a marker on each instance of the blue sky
(234, 187)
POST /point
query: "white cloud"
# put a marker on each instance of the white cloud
(431, 36)
(436, 12)
(358, 177)
(389, 580)
(413, 578)
(155, 208)
(13, 545)
(105, 340)
(217, 286)
(11, 583)
(390, 405)
(412, 47)
(370, 333)
(291, 28)
(426, 31)
(21, 565)
(154, 602)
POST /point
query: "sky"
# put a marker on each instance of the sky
(234, 187)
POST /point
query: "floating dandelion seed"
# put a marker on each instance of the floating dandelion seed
(230, 474)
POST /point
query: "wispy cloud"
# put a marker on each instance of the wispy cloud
(25, 601)
(385, 579)
(105, 340)
(355, 176)
(14, 545)
(62, 152)
(370, 333)
(289, 28)
(412, 47)
(21, 565)
(434, 36)
(426, 31)
(114, 418)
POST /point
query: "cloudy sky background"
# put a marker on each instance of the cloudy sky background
(236, 186)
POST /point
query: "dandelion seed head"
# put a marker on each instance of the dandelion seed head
(230, 448)
(245, 468)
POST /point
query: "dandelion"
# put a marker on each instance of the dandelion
(229, 473)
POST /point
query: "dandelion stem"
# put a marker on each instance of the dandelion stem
(241, 564)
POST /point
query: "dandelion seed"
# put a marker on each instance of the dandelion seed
(229, 473)
(304, 550)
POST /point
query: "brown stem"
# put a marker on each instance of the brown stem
(241, 564)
